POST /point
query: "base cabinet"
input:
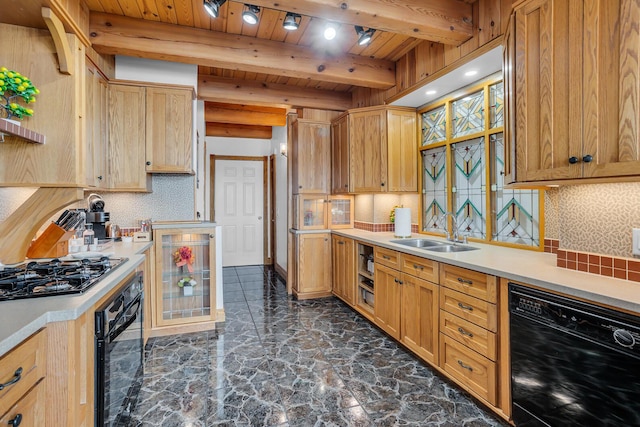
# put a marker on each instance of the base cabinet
(344, 272)
(184, 287)
(312, 272)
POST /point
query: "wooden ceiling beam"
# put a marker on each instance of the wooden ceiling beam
(114, 34)
(220, 89)
(444, 21)
(244, 114)
(238, 131)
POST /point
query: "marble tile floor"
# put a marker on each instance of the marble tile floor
(277, 361)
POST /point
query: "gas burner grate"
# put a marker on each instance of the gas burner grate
(53, 277)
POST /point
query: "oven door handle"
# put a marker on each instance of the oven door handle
(136, 302)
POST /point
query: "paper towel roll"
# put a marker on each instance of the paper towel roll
(403, 222)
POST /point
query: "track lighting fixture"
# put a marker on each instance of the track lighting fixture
(250, 14)
(213, 7)
(291, 21)
(330, 31)
(364, 36)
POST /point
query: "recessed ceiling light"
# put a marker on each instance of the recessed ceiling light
(330, 31)
(250, 14)
(431, 92)
(471, 73)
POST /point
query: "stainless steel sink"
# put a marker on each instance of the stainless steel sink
(419, 243)
(450, 248)
(434, 246)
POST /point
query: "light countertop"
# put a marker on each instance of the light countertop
(528, 267)
(21, 318)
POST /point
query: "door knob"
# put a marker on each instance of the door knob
(587, 158)
(573, 160)
(260, 218)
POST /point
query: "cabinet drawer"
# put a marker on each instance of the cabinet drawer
(469, 368)
(419, 267)
(474, 310)
(28, 362)
(479, 285)
(473, 336)
(29, 410)
(387, 257)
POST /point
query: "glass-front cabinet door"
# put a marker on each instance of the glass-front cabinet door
(341, 212)
(185, 276)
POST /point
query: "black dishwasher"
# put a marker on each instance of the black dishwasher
(572, 363)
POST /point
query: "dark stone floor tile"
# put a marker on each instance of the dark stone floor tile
(236, 296)
(308, 416)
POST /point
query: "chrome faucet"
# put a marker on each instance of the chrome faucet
(453, 237)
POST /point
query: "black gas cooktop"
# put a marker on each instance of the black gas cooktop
(53, 277)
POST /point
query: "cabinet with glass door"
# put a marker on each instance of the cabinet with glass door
(322, 211)
(184, 292)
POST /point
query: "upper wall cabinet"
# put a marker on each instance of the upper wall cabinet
(169, 120)
(97, 124)
(310, 156)
(572, 73)
(379, 147)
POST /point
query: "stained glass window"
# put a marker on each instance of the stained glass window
(468, 115)
(434, 193)
(469, 188)
(434, 126)
(496, 105)
(516, 218)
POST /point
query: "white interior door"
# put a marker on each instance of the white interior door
(239, 207)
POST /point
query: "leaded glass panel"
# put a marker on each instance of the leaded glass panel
(434, 127)
(468, 114)
(434, 193)
(469, 188)
(496, 105)
(516, 218)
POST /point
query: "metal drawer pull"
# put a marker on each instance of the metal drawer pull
(15, 422)
(465, 307)
(418, 267)
(17, 376)
(465, 366)
(463, 332)
(341, 243)
(468, 282)
(385, 257)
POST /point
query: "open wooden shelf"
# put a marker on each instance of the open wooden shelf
(6, 127)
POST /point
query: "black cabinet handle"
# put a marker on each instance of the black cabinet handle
(15, 422)
(341, 243)
(465, 366)
(418, 267)
(465, 307)
(587, 158)
(463, 332)
(386, 257)
(17, 376)
(346, 186)
(468, 282)
(100, 178)
(382, 184)
(148, 163)
(573, 160)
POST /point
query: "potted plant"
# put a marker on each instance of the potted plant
(187, 283)
(13, 87)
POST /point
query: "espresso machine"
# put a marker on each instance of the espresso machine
(97, 216)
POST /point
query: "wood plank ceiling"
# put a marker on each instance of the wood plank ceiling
(265, 64)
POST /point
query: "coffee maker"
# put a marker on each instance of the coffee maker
(97, 216)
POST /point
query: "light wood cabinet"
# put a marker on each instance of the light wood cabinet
(97, 125)
(468, 330)
(375, 150)
(344, 272)
(310, 157)
(388, 297)
(340, 155)
(176, 308)
(127, 154)
(169, 130)
(419, 318)
(20, 370)
(313, 267)
(28, 410)
(365, 293)
(571, 90)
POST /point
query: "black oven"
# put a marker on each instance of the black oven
(119, 354)
(572, 363)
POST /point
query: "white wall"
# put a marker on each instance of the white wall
(154, 71)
